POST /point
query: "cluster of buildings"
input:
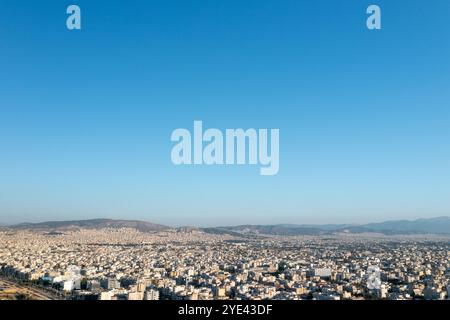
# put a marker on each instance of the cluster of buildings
(124, 264)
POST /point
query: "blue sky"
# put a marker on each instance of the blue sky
(86, 116)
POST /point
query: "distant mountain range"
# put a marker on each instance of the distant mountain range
(439, 225)
(89, 224)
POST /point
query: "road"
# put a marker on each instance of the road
(23, 289)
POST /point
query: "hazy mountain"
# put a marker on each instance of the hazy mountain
(439, 225)
(90, 224)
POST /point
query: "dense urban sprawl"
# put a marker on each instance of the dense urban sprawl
(124, 264)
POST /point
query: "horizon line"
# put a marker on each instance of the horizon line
(217, 226)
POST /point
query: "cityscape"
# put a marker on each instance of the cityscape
(114, 261)
(219, 159)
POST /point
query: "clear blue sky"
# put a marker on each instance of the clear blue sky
(86, 116)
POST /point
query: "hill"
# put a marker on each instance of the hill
(439, 225)
(90, 224)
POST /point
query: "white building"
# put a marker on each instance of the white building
(69, 285)
(151, 295)
(322, 272)
(107, 295)
(135, 295)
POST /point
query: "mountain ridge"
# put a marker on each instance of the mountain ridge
(437, 225)
(142, 226)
